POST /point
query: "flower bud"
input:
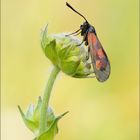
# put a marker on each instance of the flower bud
(32, 117)
(64, 52)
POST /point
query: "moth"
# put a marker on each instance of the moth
(99, 59)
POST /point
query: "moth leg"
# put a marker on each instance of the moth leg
(89, 77)
(73, 32)
(84, 38)
(86, 43)
(93, 71)
(87, 57)
(77, 34)
(88, 65)
(81, 43)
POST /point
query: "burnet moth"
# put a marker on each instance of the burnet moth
(100, 62)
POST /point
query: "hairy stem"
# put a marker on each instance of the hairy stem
(46, 97)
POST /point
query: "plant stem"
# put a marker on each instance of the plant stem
(45, 100)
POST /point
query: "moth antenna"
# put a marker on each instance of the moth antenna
(75, 11)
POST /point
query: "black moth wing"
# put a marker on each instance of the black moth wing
(100, 62)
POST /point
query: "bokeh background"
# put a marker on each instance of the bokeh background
(98, 111)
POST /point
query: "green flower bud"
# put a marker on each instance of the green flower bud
(32, 118)
(64, 52)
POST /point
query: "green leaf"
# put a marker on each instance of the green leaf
(83, 70)
(50, 133)
(36, 114)
(30, 124)
(50, 51)
(29, 113)
(50, 117)
(69, 67)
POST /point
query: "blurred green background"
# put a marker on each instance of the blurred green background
(98, 111)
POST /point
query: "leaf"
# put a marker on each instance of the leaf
(30, 112)
(50, 133)
(36, 114)
(50, 51)
(44, 36)
(30, 124)
(50, 117)
(69, 67)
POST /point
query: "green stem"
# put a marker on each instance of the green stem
(46, 98)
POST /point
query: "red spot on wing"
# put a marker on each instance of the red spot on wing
(97, 52)
(92, 38)
(100, 53)
(98, 64)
